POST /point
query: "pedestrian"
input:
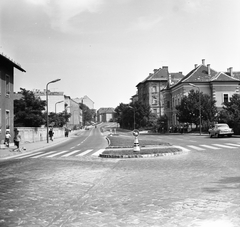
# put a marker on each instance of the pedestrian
(7, 138)
(17, 139)
(50, 133)
(66, 132)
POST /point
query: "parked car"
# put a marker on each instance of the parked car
(219, 130)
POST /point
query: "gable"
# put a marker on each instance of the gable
(223, 77)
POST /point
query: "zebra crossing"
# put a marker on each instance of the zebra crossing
(202, 147)
(96, 153)
(58, 154)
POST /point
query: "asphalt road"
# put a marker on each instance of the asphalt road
(200, 187)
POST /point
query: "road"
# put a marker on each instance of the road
(200, 187)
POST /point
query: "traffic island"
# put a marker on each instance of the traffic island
(145, 152)
(127, 147)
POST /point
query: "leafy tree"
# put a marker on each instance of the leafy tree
(88, 114)
(28, 111)
(58, 119)
(124, 113)
(188, 110)
(231, 113)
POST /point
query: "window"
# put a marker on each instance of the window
(154, 100)
(155, 111)
(168, 104)
(7, 119)
(7, 85)
(154, 89)
(225, 98)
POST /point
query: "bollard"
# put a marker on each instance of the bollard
(136, 146)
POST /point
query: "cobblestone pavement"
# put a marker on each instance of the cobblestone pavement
(194, 189)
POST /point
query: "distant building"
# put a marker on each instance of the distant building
(105, 114)
(86, 101)
(6, 95)
(56, 102)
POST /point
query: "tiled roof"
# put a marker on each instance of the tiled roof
(106, 110)
(221, 76)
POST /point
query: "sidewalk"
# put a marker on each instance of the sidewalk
(29, 147)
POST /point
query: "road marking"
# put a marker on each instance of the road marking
(73, 152)
(27, 155)
(211, 147)
(182, 148)
(43, 154)
(71, 147)
(224, 146)
(55, 154)
(97, 153)
(196, 148)
(85, 152)
(232, 144)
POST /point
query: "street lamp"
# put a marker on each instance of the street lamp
(133, 115)
(200, 120)
(56, 106)
(54, 81)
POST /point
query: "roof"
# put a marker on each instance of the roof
(106, 110)
(8, 60)
(162, 74)
(200, 74)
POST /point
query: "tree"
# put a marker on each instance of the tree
(188, 110)
(124, 113)
(88, 114)
(28, 111)
(58, 119)
(231, 113)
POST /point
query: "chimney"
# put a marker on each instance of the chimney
(155, 70)
(203, 61)
(165, 67)
(231, 71)
(208, 69)
(195, 66)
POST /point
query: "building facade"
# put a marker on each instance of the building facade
(220, 86)
(149, 90)
(6, 95)
(105, 114)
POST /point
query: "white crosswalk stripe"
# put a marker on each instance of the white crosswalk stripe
(97, 153)
(182, 148)
(42, 154)
(224, 146)
(55, 154)
(71, 153)
(85, 152)
(232, 144)
(196, 148)
(211, 147)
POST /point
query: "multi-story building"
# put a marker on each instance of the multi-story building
(6, 94)
(149, 90)
(220, 86)
(105, 114)
(86, 101)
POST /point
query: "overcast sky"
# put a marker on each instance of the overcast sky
(104, 48)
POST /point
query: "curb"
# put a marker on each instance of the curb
(140, 155)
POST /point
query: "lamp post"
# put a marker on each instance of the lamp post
(56, 106)
(53, 81)
(200, 117)
(133, 115)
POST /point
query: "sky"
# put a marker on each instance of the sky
(104, 48)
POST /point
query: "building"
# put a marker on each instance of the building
(105, 114)
(149, 90)
(56, 103)
(6, 94)
(220, 86)
(86, 101)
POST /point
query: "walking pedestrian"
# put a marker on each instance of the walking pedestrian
(7, 138)
(17, 139)
(66, 132)
(51, 133)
